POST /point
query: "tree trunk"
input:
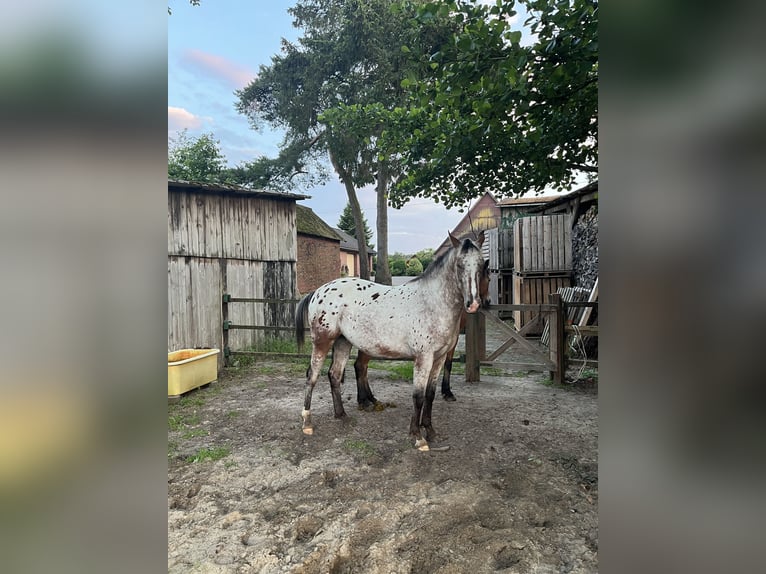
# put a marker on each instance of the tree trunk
(345, 177)
(382, 270)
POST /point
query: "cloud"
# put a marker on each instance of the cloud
(232, 74)
(179, 118)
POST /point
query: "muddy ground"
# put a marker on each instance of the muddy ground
(517, 491)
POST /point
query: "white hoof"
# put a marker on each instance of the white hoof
(307, 428)
(422, 445)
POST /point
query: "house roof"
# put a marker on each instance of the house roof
(349, 242)
(522, 201)
(588, 192)
(309, 223)
(227, 189)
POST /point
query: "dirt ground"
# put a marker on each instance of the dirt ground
(517, 491)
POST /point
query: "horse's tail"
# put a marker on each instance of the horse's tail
(301, 314)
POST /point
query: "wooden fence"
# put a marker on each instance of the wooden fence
(553, 359)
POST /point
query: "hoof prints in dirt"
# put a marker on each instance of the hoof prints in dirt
(356, 497)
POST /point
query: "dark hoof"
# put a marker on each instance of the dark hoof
(449, 397)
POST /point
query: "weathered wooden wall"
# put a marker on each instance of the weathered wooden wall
(542, 263)
(240, 226)
(238, 243)
(534, 290)
(542, 243)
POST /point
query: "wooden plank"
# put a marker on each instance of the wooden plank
(547, 258)
(557, 243)
(591, 299)
(519, 366)
(526, 257)
(567, 243)
(557, 351)
(588, 331)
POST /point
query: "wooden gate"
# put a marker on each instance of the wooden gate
(552, 359)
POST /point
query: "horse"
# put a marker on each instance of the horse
(419, 320)
(364, 397)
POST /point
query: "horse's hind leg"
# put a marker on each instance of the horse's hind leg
(319, 351)
(364, 396)
(446, 390)
(340, 352)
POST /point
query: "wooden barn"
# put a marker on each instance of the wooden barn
(531, 251)
(227, 239)
(485, 214)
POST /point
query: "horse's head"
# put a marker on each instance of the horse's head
(471, 270)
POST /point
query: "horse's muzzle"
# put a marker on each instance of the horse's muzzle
(472, 306)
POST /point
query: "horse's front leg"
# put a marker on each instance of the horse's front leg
(425, 419)
(421, 389)
(364, 396)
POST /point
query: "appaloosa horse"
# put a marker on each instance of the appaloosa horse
(364, 396)
(419, 320)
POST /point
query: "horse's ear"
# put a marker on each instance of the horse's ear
(481, 238)
(455, 241)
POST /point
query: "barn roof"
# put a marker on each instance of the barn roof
(228, 189)
(309, 223)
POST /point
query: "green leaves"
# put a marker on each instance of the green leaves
(195, 159)
(486, 113)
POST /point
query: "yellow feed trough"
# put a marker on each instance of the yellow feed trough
(189, 369)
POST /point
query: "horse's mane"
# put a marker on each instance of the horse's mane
(441, 261)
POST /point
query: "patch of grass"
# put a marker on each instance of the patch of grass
(275, 345)
(360, 447)
(492, 371)
(262, 369)
(172, 448)
(182, 420)
(403, 370)
(192, 400)
(212, 453)
(589, 374)
(233, 414)
(195, 433)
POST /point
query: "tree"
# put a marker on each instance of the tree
(426, 256)
(414, 266)
(486, 113)
(195, 159)
(398, 264)
(350, 54)
(347, 224)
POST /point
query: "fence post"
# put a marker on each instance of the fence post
(225, 319)
(557, 339)
(475, 345)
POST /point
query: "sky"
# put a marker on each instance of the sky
(217, 48)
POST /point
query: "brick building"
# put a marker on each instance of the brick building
(318, 251)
